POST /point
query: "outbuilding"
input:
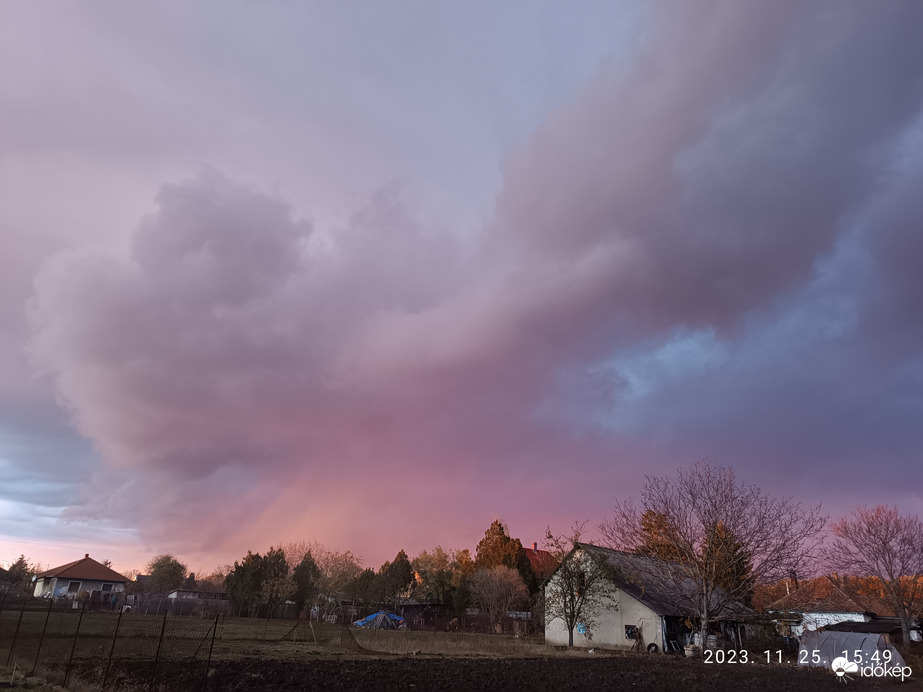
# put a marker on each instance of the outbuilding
(644, 608)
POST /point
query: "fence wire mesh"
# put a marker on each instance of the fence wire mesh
(93, 648)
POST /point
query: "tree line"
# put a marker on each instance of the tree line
(715, 541)
(317, 579)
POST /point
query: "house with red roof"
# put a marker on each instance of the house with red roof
(820, 602)
(86, 574)
(543, 562)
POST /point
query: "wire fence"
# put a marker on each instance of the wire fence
(75, 646)
(87, 648)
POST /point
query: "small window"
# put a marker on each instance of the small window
(631, 632)
(73, 588)
(107, 588)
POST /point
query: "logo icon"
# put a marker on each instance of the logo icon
(842, 666)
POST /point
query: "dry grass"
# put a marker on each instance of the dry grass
(456, 644)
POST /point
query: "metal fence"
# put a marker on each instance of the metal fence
(66, 644)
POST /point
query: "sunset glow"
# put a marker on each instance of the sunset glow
(376, 274)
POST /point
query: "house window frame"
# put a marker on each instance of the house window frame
(104, 588)
(71, 591)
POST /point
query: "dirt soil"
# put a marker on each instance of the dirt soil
(487, 673)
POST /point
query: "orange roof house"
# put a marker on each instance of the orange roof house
(543, 562)
(820, 602)
(86, 574)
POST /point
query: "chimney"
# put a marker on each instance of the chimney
(534, 545)
(86, 555)
(794, 577)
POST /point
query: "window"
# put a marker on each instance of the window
(107, 588)
(631, 632)
(73, 588)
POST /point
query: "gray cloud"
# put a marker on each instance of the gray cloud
(705, 252)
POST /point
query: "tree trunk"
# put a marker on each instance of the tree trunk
(703, 632)
(904, 617)
(570, 637)
(703, 623)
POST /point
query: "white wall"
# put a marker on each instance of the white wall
(813, 621)
(623, 610)
(45, 586)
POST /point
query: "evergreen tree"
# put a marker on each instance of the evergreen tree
(276, 585)
(726, 558)
(658, 537)
(396, 577)
(244, 584)
(307, 578)
(21, 573)
(364, 588)
(497, 549)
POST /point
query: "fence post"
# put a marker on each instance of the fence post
(112, 649)
(70, 659)
(208, 661)
(42, 638)
(16, 632)
(163, 629)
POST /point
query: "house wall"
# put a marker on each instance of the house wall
(58, 587)
(610, 631)
(813, 621)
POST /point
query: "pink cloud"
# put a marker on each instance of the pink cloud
(251, 377)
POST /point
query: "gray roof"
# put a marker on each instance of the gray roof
(660, 586)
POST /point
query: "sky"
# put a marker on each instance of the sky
(376, 274)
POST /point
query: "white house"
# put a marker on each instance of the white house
(816, 603)
(86, 574)
(643, 604)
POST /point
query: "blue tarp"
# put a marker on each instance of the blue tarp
(382, 620)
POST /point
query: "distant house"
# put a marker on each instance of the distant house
(821, 602)
(645, 606)
(543, 562)
(86, 574)
(192, 595)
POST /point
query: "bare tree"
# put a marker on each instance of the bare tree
(496, 590)
(580, 587)
(338, 568)
(723, 537)
(879, 542)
